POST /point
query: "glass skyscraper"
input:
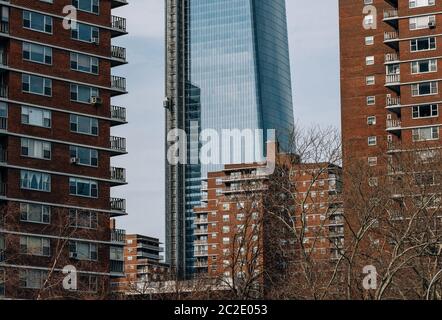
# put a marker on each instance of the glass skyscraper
(227, 67)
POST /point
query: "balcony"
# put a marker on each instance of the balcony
(118, 84)
(3, 188)
(393, 125)
(3, 156)
(391, 13)
(118, 206)
(201, 253)
(3, 123)
(201, 231)
(392, 39)
(336, 234)
(118, 175)
(118, 236)
(116, 267)
(118, 115)
(393, 81)
(4, 27)
(200, 242)
(391, 57)
(201, 265)
(393, 102)
(118, 55)
(117, 144)
(3, 91)
(201, 221)
(150, 247)
(3, 59)
(118, 26)
(118, 3)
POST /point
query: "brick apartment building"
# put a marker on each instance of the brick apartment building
(390, 77)
(234, 218)
(56, 115)
(142, 264)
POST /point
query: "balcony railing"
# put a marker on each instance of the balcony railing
(392, 13)
(4, 27)
(200, 242)
(118, 83)
(393, 124)
(390, 57)
(116, 266)
(201, 253)
(201, 231)
(118, 113)
(393, 102)
(118, 174)
(118, 144)
(392, 35)
(3, 91)
(3, 187)
(392, 78)
(201, 264)
(202, 221)
(118, 235)
(118, 204)
(118, 23)
(3, 156)
(118, 53)
(3, 59)
(3, 123)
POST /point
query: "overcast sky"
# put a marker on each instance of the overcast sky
(313, 35)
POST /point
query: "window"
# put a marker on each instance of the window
(371, 100)
(372, 161)
(372, 141)
(37, 21)
(226, 229)
(425, 134)
(84, 63)
(36, 85)
(84, 156)
(83, 250)
(421, 22)
(83, 187)
(91, 6)
(369, 20)
(32, 180)
(3, 110)
(36, 117)
(424, 66)
(369, 60)
(423, 44)
(35, 213)
(83, 219)
(116, 254)
(369, 41)
(370, 80)
(84, 125)
(421, 3)
(425, 111)
(35, 149)
(37, 53)
(87, 283)
(83, 94)
(32, 279)
(371, 120)
(84, 32)
(424, 89)
(35, 246)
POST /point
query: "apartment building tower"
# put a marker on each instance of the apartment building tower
(56, 115)
(227, 67)
(390, 77)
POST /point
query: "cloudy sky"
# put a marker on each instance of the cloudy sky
(313, 35)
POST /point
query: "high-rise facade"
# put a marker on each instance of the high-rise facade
(56, 115)
(227, 67)
(390, 78)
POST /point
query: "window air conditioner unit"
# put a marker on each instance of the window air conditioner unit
(96, 101)
(432, 24)
(73, 255)
(95, 40)
(75, 160)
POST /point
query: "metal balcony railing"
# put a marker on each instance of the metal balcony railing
(118, 53)
(392, 35)
(393, 102)
(3, 156)
(201, 231)
(118, 235)
(118, 83)
(3, 123)
(118, 23)
(201, 221)
(118, 144)
(3, 188)
(392, 13)
(199, 253)
(118, 113)
(4, 27)
(3, 59)
(3, 91)
(116, 266)
(393, 124)
(118, 174)
(118, 204)
(390, 57)
(392, 78)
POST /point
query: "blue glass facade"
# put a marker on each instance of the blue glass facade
(237, 73)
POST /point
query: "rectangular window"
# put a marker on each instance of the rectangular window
(83, 251)
(371, 100)
(424, 66)
(423, 44)
(84, 156)
(36, 117)
(84, 125)
(32, 279)
(83, 187)
(83, 219)
(369, 60)
(92, 6)
(421, 3)
(370, 80)
(35, 213)
(33, 180)
(84, 63)
(422, 22)
(35, 246)
(426, 134)
(425, 111)
(37, 53)
(37, 21)
(85, 32)
(35, 149)
(36, 85)
(369, 41)
(424, 89)
(371, 121)
(372, 141)
(83, 94)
